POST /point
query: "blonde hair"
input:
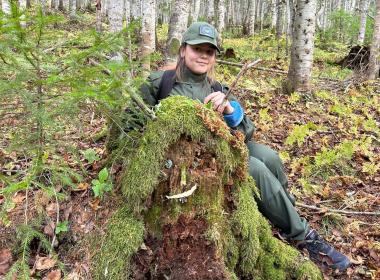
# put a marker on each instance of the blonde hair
(181, 65)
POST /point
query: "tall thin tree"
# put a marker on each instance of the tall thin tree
(148, 32)
(177, 26)
(363, 7)
(302, 49)
(373, 66)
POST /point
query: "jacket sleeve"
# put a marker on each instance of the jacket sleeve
(149, 89)
(246, 126)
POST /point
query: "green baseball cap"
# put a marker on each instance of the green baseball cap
(199, 33)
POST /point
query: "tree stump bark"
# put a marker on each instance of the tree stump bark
(190, 210)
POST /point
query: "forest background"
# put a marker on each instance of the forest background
(68, 69)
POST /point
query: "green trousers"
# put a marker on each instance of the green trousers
(276, 203)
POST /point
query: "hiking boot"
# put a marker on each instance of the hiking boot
(323, 253)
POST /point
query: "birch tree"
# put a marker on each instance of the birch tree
(373, 65)
(274, 13)
(98, 6)
(147, 32)
(210, 12)
(73, 8)
(177, 26)
(251, 18)
(6, 7)
(221, 19)
(195, 14)
(22, 4)
(301, 60)
(363, 20)
(115, 15)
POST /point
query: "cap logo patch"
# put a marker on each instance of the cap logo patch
(206, 30)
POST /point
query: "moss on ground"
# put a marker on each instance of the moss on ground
(241, 235)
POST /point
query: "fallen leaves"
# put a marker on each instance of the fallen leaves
(53, 275)
(44, 263)
(5, 261)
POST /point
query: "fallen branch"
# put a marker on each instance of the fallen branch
(324, 209)
(254, 67)
(242, 71)
(271, 70)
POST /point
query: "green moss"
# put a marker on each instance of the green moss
(176, 116)
(242, 237)
(124, 236)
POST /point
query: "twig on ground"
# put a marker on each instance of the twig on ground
(336, 210)
(56, 222)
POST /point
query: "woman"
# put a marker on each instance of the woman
(193, 77)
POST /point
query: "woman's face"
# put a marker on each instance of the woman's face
(199, 58)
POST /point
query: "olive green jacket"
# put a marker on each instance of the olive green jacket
(194, 86)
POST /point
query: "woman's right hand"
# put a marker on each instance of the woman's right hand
(219, 102)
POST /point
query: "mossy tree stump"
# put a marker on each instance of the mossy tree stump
(216, 232)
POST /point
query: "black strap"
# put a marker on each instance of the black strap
(168, 81)
(166, 84)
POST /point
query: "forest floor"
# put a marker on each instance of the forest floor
(329, 141)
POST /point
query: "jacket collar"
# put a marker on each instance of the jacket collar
(190, 77)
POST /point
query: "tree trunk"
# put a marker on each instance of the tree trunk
(301, 60)
(251, 18)
(73, 8)
(22, 4)
(221, 19)
(98, 6)
(197, 5)
(66, 5)
(190, 211)
(274, 13)
(6, 7)
(373, 65)
(115, 16)
(210, 12)
(177, 26)
(279, 21)
(148, 33)
(363, 20)
(136, 9)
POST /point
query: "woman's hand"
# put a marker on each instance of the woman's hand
(219, 103)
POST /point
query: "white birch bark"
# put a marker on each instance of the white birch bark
(301, 60)
(279, 17)
(221, 18)
(6, 7)
(127, 8)
(55, 4)
(263, 7)
(115, 15)
(177, 26)
(73, 8)
(98, 7)
(136, 9)
(43, 6)
(373, 66)
(197, 5)
(115, 18)
(210, 12)
(251, 18)
(363, 20)
(22, 4)
(66, 5)
(274, 13)
(147, 32)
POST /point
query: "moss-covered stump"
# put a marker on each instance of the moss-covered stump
(190, 211)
